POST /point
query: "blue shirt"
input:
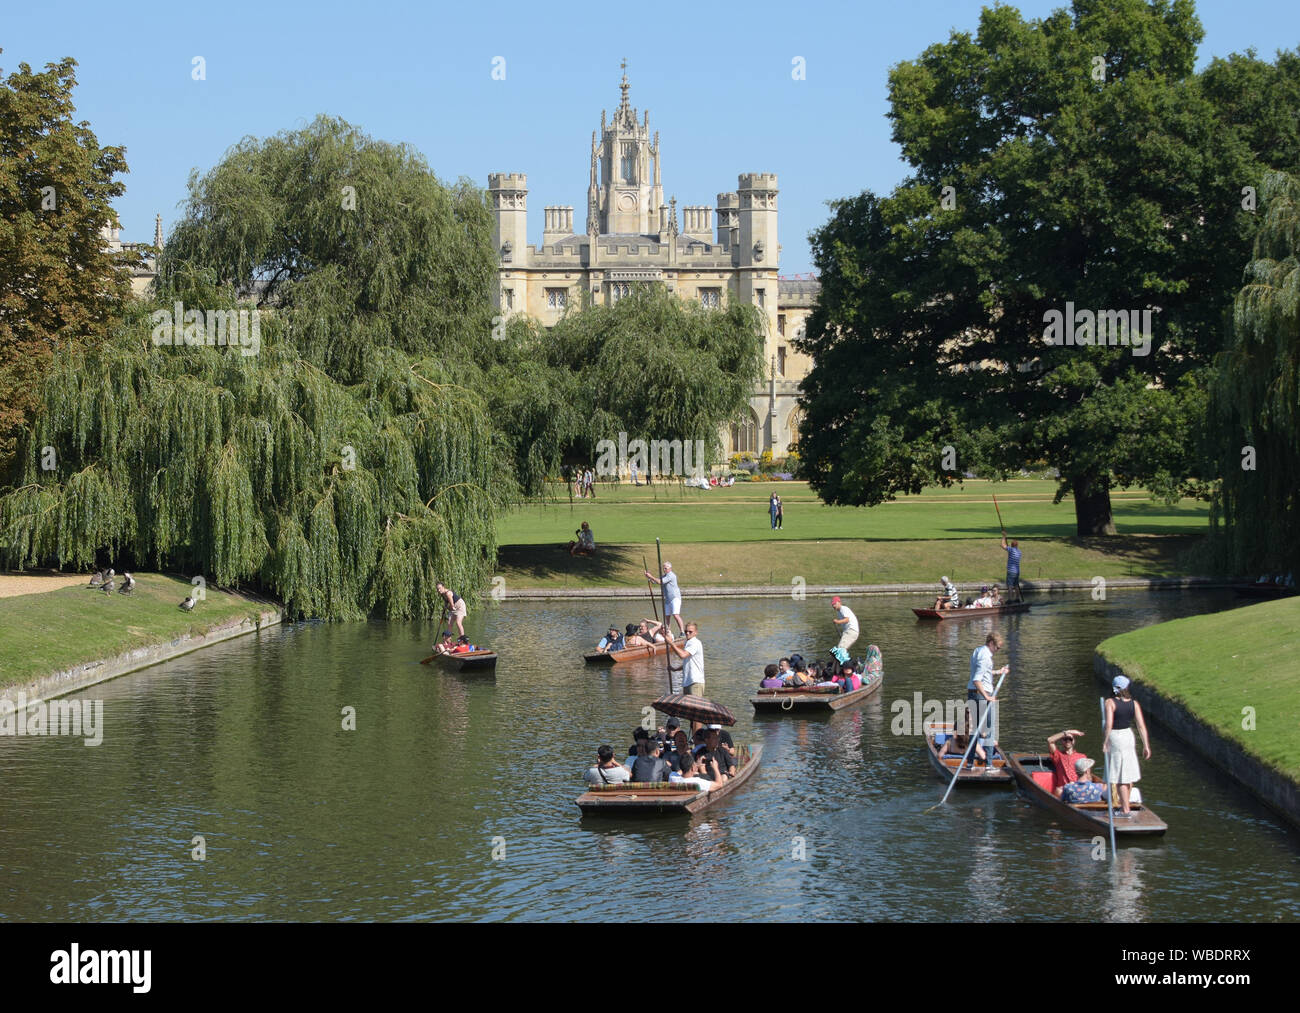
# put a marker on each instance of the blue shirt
(1013, 560)
(610, 645)
(981, 669)
(671, 591)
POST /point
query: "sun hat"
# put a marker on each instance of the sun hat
(1082, 765)
(1120, 682)
(835, 600)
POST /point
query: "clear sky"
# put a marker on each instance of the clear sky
(716, 79)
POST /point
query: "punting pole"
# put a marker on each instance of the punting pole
(1110, 801)
(970, 748)
(650, 587)
(668, 654)
(999, 510)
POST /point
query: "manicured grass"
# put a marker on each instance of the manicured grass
(966, 561)
(44, 633)
(1218, 664)
(723, 537)
(626, 514)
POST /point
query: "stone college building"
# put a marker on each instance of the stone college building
(632, 237)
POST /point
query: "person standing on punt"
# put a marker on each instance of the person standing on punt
(672, 596)
(1013, 567)
(692, 654)
(1122, 712)
(846, 621)
(456, 605)
(979, 692)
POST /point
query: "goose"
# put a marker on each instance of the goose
(188, 604)
(107, 586)
(128, 584)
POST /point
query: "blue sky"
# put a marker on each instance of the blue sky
(715, 77)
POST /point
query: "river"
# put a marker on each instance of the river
(453, 798)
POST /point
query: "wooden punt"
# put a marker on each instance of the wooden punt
(1264, 591)
(654, 800)
(964, 613)
(627, 654)
(946, 765)
(1090, 816)
(784, 701)
(471, 661)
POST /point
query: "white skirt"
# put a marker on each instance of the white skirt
(1123, 757)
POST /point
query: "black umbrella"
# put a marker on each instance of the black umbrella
(694, 708)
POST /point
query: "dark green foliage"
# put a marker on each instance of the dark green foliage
(1257, 398)
(237, 468)
(1115, 194)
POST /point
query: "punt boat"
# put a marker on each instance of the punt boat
(940, 733)
(1033, 774)
(642, 799)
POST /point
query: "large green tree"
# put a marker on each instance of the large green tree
(1257, 398)
(59, 287)
(1064, 164)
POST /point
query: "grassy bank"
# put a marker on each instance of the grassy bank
(1216, 665)
(723, 537)
(721, 564)
(45, 633)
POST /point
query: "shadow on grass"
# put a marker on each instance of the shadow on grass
(612, 564)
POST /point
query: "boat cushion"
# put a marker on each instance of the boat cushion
(1043, 779)
(645, 786)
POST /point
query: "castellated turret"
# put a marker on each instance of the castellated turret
(757, 192)
(509, 198)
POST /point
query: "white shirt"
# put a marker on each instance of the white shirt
(693, 669)
(847, 613)
(981, 669)
(703, 784)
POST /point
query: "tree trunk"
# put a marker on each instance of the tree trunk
(1092, 506)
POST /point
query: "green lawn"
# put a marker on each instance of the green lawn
(723, 537)
(45, 633)
(1216, 665)
(626, 514)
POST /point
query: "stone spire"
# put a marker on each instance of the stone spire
(623, 106)
(157, 232)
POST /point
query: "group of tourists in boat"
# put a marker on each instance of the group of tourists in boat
(794, 673)
(646, 633)
(706, 759)
(990, 596)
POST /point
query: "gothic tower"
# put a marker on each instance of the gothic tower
(625, 193)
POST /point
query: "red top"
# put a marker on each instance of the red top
(1063, 768)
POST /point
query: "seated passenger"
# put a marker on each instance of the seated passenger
(724, 758)
(611, 641)
(463, 646)
(985, 600)
(638, 733)
(649, 766)
(1085, 789)
(690, 774)
(771, 680)
(783, 668)
(654, 631)
(446, 645)
(607, 769)
(948, 597)
(848, 679)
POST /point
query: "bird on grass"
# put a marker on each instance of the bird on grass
(108, 585)
(98, 578)
(128, 584)
(188, 604)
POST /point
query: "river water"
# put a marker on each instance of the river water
(453, 798)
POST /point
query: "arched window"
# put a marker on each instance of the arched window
(792, 424)
(745, 437)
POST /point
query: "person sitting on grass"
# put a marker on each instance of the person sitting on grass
(1086, 788)
(585, 542)
(607, 769)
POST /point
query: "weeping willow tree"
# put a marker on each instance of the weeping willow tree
(1257, 397)
(354, 241)
(343, 501)
(651, 366)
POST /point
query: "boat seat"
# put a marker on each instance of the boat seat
(1043, 779)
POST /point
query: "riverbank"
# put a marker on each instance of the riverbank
(848, 562)
(61, 641)
(1229, 685)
